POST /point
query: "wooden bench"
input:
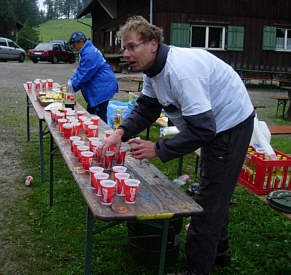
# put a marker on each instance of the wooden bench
(280, 129)
(281, 100)
(130, 90)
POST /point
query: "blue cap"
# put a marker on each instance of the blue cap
(77, 37)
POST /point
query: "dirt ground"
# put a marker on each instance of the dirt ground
(13, 139)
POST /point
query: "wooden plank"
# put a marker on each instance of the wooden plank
(157, 195)
(130, 90)
(280, 129)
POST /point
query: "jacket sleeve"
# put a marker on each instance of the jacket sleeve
(146, 112)
(90, 63)
(200, 130)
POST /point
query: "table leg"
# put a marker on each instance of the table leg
(41, 134)
(196, 165)
(89, 234)
(180, 166)
(51, 170)
(164, 246)
(27, 118)
(284, 103)
(278, 104)
(148, 133)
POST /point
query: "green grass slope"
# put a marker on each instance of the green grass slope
(61, 29)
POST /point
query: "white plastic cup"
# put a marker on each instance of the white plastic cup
(98, 178)
(131, 190)
(107, 191)
(120, 178)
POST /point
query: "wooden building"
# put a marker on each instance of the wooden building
(252, 36)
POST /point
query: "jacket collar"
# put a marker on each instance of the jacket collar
(160, 61)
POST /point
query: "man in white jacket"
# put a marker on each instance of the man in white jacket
(207, 101)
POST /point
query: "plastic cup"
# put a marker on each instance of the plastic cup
(59, 115)
(81, 113)
(92, 139)
(108, 160)
(82, 120)
(76, 144)
(131, 190)
(86, 124)
(67, 130)
(98, 178)
(66, 110)
(61, 122)
(76, 128)
(81, 148)
(29, 85)
(36, 86)
(53, 115)
(95, 120)
(72, 139)
(107, 191)
(118, 169)
(87, 157)
(43, 84)
(93, 130)
(120, 178)
(108, 133)
(94, 170)
(121, 156)
(50, 83)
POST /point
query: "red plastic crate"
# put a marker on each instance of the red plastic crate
(265, 179)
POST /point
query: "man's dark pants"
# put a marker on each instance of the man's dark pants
(99, 110)
(221, 162)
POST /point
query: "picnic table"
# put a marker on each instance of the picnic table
(159, 200)
(281, 100)
(137, 79)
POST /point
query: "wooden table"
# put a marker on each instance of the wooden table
(158, 198)
(280, 129)
(137, 79)
(281, 100)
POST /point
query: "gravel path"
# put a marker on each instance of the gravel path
(13, 138)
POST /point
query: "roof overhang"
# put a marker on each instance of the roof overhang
(110, 6)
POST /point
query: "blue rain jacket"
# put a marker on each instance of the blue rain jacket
(94, 76)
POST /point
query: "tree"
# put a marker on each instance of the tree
(28, 37)
(7, 18)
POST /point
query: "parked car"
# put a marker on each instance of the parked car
(52, 52)
(9, 50)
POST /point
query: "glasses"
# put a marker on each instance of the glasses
(132, 47)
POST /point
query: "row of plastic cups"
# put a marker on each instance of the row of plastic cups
(40, 84)
(121, 185)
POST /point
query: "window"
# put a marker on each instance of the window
(12, 44)
(3, 42)
(209, 37)
(283, 39)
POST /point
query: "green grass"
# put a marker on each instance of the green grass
(61, 29)
(51, 240)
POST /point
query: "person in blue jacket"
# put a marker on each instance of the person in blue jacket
(94, 76)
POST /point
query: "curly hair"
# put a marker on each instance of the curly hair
(143, 27)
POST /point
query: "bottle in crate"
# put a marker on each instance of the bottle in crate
(117, 119)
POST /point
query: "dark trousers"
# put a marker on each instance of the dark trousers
(99, 110)
(221, 163)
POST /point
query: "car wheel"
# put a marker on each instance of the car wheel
(55, 60)
(34, 60)
(21, 58)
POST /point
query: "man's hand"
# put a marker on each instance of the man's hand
(142, 149)
(113, 140)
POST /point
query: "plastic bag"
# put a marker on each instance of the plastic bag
(112, 108)
(261, 138)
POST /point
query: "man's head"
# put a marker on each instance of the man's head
(141, 40)
(77, 40)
